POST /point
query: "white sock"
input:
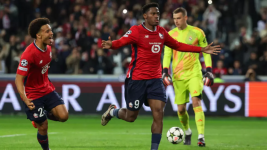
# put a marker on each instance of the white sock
(188, 131)
(200, 136)
(111, 112)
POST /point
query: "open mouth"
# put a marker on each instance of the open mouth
(51, 39)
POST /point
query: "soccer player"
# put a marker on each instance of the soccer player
(143, 84)
(32, 82)
(187, 75)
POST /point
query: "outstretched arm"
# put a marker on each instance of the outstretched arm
(175, 45)
(130, 37)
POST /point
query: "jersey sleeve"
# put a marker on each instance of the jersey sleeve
(25, 64)
(130, 37)
(175, 45)
(203, 43)
(167, 57)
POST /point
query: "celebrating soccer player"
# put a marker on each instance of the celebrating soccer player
(143, 84)
(36, 90)
(187, 75)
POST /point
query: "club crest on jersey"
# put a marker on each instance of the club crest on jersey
(190, 38)
(24, 62)
(35, 115)
(127, 33)
(161, 35)
(131, 105)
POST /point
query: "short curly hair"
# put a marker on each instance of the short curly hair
(36, 25)
(149, 5)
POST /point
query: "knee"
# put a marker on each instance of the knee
(64, 117)
(196, 102)
(181, 111)
(131, 119)
(43, 128)
(158, 114)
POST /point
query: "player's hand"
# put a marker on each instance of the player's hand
(166, 78)
(29, 103)
(208, 79)
(107, 44)
(211, 49)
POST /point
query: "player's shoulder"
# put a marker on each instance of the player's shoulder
(29, 51)
(135, 28)
(173, 30)
(197, 30)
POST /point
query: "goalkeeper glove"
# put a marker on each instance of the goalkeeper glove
(166, 78)
(208, 78)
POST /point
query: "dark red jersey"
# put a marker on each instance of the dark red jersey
(34, 64)
(147, 46)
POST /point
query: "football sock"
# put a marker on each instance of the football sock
(156, 137)
(184, 119)
(111, 112)
(200, 136)
(114, 112)
(200, 119)
(43, 141)
(188, 131)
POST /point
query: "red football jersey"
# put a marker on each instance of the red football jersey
(34, 64)
(147, 46)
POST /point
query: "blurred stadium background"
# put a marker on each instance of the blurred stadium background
(90, 78)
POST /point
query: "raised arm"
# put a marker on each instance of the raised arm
(130, 37)
(175, 45)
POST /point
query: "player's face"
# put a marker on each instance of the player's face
(47, 34)
(152, 16)
(179, 20)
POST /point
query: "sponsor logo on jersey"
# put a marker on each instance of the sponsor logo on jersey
(146, 36)
(155, 48)
(45, 68)
(41, 61)
(24, 62)
(161, 35)
(23, 69)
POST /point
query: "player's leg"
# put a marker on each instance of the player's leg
(156, 96)
(181, 98)
(196, 87)
(134, 97)
(157, 108)
(42, 134)
(60, 112)
(56, 108)
(125, 114)
(38, 116)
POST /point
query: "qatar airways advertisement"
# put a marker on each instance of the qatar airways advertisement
(229, 99)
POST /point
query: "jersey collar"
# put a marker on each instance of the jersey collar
(38, 47)
(143, 24)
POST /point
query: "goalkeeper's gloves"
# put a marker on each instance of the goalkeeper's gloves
(166, 78)
(208, 78)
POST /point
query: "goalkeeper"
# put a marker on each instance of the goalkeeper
(187, 75)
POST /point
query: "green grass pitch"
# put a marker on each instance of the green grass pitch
(86, 133)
